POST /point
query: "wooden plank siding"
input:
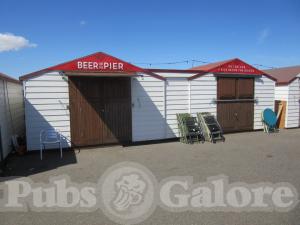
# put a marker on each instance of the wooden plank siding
(176, 89)
(293, 105)
(282, 93)
(203, 94)
(264, 89)
(154, 104)
(148, 108)
(46, 107)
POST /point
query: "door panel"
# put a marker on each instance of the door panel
(226, 118)
(226, 88)
(100, 110)
(245, 88)
(244, 117)
(233, 113)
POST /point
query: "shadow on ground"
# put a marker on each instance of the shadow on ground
(29, 164)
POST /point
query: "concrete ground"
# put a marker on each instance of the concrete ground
(246, 157)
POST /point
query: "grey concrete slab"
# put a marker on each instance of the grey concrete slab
(247, 157)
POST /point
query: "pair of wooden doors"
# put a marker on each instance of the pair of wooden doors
(235, 103)
(100, 110)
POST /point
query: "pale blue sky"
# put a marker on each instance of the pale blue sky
(38, 34)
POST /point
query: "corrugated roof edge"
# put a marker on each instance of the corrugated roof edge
(8, 78)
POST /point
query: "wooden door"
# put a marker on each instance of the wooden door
(235, 107)
(100, 110)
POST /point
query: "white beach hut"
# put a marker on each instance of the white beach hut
(287, 94)
(100, 99)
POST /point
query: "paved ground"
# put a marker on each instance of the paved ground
(248, 157)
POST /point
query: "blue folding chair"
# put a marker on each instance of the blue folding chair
(269, 120)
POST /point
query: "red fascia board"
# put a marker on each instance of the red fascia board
(40, 72)
(64, 67)
(69, 66)
(216, 70)
(34, 74)
(198, 75)
(270, 77)
(154, 75)
(49, 69)
(174, 71)
(203, 73)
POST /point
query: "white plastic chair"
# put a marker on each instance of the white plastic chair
(50, 136)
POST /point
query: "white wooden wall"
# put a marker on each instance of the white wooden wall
(203, 94)
(293, 106)
(291, 94)
(154, 104)
(177, 101)
(264, 93)
(46, 101)
(148, 108)
(11, 113)
(282, 93)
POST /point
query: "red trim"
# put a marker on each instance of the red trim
(95, 71)
(230, 67)
(174, 71)
(236, 66)
(154, 75)
(34, 74)
(198, 75)
(204, 73)
(98, 62)
(270, 77)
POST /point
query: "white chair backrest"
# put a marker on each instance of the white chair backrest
(50, 135)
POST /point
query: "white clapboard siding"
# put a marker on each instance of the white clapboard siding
(203, 93)
(148, 122)
(264, 93)
(11, 113)
(176, 88)
(46, 107)
(293, 107)
(281, 93)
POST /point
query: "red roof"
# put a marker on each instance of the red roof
(210, 66)
(284, 75)
(98, 62)
(231, 66)
(8, 78)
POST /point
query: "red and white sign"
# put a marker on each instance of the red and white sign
(98, 62)
(236, 67)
